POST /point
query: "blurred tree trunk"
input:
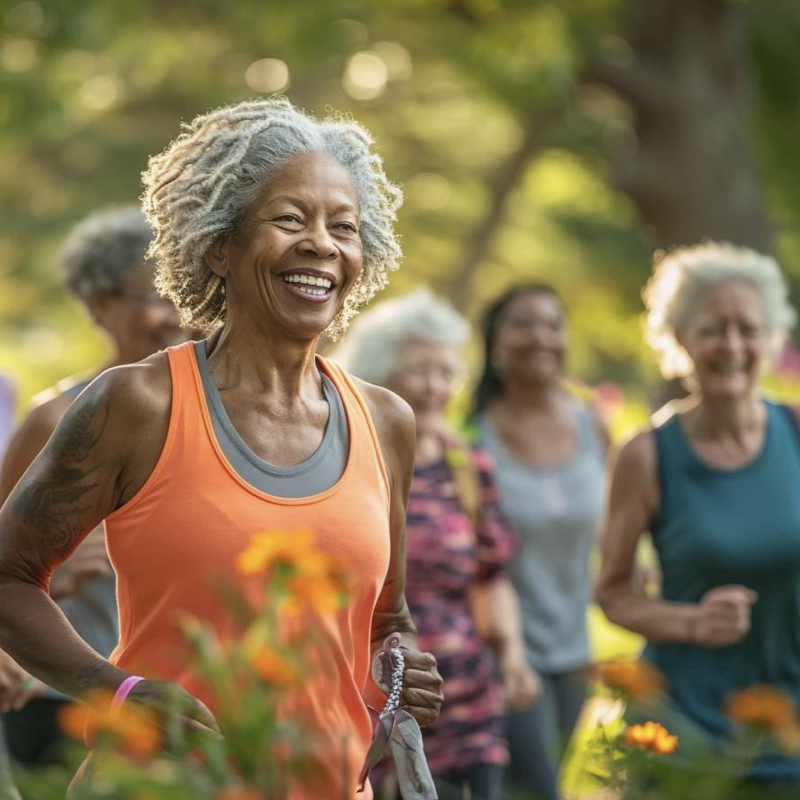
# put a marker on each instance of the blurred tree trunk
(478, 245)
(691, 171)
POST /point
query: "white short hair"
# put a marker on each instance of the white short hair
(375, 339)
(682, 275)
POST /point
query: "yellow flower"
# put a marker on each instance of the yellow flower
(651, 736)
(272, 668)
(275, 549)
(761, 706)
(133, 727)
(636, 679)
(310, 578)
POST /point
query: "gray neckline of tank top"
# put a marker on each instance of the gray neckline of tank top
(218, 409)
(584, 440)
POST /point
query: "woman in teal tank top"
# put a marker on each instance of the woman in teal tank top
(716, 485)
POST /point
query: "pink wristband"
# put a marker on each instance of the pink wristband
(122, 692)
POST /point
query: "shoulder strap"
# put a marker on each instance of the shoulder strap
(465, 477)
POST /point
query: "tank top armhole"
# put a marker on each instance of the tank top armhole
(173, 354)
(658, 434)
(586, 429)
(341, 378)
(792, 420)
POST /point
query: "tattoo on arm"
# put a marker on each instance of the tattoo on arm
(55, 504)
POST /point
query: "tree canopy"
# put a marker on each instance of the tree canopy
(557, 141)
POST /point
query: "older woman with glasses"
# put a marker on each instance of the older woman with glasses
(105, 265)
(457, 544)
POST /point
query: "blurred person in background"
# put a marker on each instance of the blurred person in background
(550, 455)
(457, 545)
(105, 266)
(8, 401)
(271, 228)
(716, 485)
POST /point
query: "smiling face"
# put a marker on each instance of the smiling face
(726, 339)
(425, 375)
(530, 341)
(297, 253)
(139, 321)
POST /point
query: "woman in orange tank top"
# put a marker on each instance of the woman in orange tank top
(271, 228)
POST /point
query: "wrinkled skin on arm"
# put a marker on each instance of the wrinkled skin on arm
(91, 466)
(422, 688)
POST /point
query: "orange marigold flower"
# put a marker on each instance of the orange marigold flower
(761, 706)
(133, 727)
(308, 577)
(272, 668)
(651, 736)
(276, 548)
(637, 679)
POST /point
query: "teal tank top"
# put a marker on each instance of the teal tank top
(741, 526)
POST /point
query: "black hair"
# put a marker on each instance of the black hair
(489, 384)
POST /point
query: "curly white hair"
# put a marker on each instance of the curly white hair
(373, 345)
(680, 277)
(198, 189)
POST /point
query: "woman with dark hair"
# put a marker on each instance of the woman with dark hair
(550, 454)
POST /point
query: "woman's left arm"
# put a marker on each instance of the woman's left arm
(495, 610)
(422, 685)
(495, 607)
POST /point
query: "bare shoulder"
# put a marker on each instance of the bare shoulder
(120, 419)
(141, 390)
(395, 426)
(635, 473)
(638, 453)
(392, 416)
(43, 417)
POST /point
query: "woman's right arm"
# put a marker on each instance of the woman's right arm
(722, 616)
(72, 485)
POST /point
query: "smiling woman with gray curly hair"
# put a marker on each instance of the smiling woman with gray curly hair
(271, 229)
(198, 189)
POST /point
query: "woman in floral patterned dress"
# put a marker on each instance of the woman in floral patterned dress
(456, 545)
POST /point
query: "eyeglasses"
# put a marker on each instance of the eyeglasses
(142, 298)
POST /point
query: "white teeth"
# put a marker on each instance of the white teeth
(317, 291)
(308, 280)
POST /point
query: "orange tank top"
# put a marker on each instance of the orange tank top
(180, 534)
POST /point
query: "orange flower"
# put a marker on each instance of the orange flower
(761, 706)
(133, 726)
(275, 549)
(309, 577)
(273, 669)
(651, 736)
(636, 679)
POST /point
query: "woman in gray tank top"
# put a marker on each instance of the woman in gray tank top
(550, 454)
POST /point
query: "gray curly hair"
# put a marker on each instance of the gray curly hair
(198, 190)
(680, 276)
(101, 252)
(372, 348)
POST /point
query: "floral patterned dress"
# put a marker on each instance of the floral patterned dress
(445, 558)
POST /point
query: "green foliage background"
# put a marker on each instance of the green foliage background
(90, 88)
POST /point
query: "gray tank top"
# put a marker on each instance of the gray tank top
(556, 511)
(317, 473)
(93, 611)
